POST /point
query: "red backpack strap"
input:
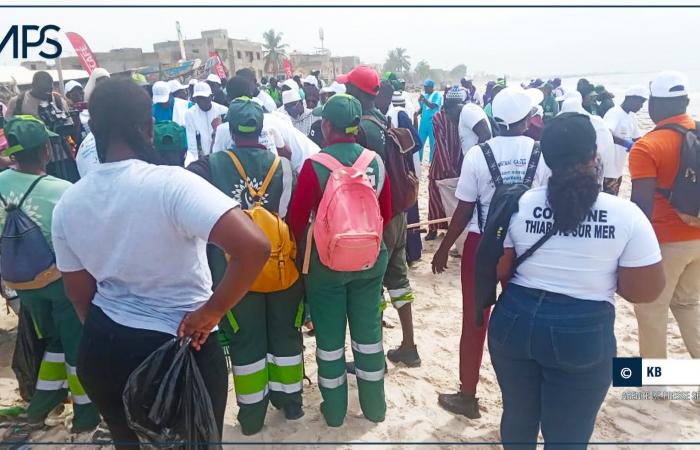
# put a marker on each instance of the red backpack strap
(327, 161)
(365, 159)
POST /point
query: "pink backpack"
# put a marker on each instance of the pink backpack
(348, 226)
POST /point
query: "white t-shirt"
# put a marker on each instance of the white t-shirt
(86, 159)
(512, 154)
(582, 264)
(625, 126)
(141, 230)
(471, 115)
(605, 147)
(301, 146)
(267, 101)
(199, 122)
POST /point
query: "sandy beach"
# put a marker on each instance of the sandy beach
(413, 415)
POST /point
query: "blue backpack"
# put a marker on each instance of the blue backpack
(26, 259)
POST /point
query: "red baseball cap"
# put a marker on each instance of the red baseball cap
(363, 77)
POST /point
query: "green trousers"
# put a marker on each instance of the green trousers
(266, 353)
(337, 299)
(57, 323)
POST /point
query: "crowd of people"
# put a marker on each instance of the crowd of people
(235, 212)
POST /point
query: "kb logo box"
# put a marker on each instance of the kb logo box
(627, 372)
(25, 37)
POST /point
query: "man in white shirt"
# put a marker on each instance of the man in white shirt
(473, 95)
(474, 126)
(200, 121)
(166, 106)
(622, 122)
(605, 153)
(511, 153)
(292, 105)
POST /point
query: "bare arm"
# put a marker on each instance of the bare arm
(641, 284)
(249, 249)
(643, 190)
(459, 222)
(80, 289)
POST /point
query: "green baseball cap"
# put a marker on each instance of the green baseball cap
(25, 132)
(245, 116)
(344, 112)
(168, 136)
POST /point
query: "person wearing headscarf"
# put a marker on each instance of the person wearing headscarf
(98, 75)
(488, 93)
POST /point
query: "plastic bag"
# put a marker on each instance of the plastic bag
(26, 359)
(166, 401)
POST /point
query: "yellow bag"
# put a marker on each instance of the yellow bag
(280, 272)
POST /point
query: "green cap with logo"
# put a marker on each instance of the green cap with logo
(344, 112)
(245, 116)
(168, 136)
(25, 132)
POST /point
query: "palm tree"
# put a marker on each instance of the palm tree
(397, 61)
(422, 70)
(274, 51)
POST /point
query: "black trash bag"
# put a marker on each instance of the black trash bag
(26, 359)
(166, 401)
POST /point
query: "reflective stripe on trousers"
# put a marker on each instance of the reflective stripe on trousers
(251, 382)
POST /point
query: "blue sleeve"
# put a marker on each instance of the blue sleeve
(405, 122)
(438, 99)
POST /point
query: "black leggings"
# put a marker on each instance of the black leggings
(109, 352)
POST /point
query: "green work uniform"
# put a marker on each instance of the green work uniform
(263, 329)
(341, 298)
(396, 280)
(550, 108)
(53, 314)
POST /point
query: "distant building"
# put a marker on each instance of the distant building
(115, 61)
(236, 54)
(329, 66)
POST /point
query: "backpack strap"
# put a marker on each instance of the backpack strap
(375, 121)
(29, 191)
(672, 126)
(492, 164)
(365, 159)
(327, 161)
(521, 259)
(532, 165)
(268, 178)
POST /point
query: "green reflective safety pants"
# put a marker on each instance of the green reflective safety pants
(337, 299)
(266, 353)
(57, 323)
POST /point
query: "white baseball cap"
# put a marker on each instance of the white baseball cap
(214, 78)
(193, 81)
(70, 85)
(310, 79)
(161, 92)
(572, 104)
(290, 96)
(513, 104)
(669, 84)
(175, 86)
(290, 83)
(201, 89)
(568, 95)
(637, 91)
(335, 87)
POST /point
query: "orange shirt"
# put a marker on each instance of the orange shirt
(657, 155)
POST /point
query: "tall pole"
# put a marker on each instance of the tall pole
(182, 43)
(59, 69)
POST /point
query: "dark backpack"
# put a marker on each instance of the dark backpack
(503, 205)
(400, 146)
(685, 193)
(24, 252)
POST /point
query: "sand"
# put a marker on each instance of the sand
(413, 415)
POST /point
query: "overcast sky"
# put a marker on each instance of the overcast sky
(517, 41)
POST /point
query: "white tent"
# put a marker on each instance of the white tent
(23, 76)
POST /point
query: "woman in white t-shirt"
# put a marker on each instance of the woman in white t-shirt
(130, 240)
(551, 335)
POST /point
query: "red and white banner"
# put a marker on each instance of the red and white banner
(219, 67)
(87, 59)
(287, 64)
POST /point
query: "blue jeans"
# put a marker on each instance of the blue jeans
(553, 360)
